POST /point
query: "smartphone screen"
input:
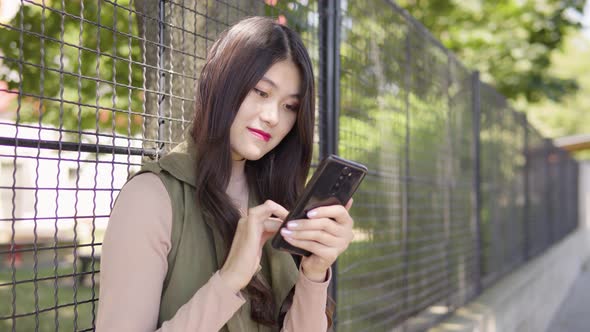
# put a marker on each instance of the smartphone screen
(334, 182)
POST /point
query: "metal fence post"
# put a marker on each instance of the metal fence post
(328, 79)
(406, 176)
(526, 212)
(476, 184)
(562, 175)
(329, 84)
(547, 154)
(161, 85)
(573, 184)
(449, 182)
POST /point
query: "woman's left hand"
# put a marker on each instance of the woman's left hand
(326, 234)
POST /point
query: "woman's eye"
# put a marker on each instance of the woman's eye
(261, 93)
(292, 107)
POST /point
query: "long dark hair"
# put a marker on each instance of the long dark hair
(235, 63)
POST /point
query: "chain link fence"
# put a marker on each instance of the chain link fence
(461, 188)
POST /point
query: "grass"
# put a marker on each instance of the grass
(54, 308)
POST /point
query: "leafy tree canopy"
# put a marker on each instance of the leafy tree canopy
(570, 115)
(509, 41)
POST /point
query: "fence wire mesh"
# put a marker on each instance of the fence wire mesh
(461, 189)
(406, 112)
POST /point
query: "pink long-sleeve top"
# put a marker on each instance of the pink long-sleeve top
(134, 265)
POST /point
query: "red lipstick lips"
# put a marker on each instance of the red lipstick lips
(260, 134)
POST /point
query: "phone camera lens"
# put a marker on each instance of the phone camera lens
(345, 170)
(341, 177)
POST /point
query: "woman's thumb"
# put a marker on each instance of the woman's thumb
(272, 225)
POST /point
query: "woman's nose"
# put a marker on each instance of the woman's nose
(270, 114)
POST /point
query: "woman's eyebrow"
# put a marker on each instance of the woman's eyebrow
(274, 85)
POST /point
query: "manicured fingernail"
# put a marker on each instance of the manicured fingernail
(292, 224)
(285, 231)
(312, 213)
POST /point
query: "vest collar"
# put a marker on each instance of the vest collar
(181, 162)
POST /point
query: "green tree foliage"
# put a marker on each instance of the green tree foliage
(91, 80)
(509, 41)
(97, 65)
(570, 116)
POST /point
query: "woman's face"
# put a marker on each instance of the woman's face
(267, 114)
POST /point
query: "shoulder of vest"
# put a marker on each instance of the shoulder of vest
(170, 180)
(179, 164)
(152, 167)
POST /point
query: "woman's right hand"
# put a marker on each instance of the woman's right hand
(252, 232)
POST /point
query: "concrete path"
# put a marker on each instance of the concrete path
(574, 313)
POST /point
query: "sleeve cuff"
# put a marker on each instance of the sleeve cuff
(308, 312)
(310, 283)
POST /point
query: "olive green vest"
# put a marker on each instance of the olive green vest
(197, 247)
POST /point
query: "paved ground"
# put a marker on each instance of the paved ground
(574, 314)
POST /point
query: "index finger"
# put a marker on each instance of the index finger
(267, 209)
(336, 212)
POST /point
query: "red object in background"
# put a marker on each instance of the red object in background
(6, 96)
(282, 20)
(18, 260)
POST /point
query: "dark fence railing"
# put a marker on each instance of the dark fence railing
(461, 188)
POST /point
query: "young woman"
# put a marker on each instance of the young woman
(187, 245)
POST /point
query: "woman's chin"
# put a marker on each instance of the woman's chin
(254, 155)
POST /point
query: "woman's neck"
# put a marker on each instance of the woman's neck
(237, 170)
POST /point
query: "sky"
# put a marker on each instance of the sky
(586, 20)
(583, 18)
(582, 42)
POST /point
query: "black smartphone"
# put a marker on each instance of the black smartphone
(334, 182)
